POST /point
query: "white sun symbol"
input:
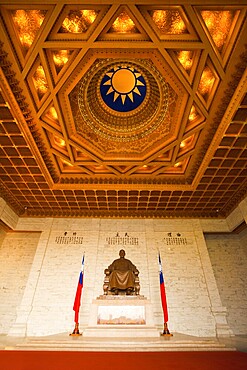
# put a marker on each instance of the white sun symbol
(123, 81)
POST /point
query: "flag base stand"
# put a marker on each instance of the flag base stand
(166, 332)
(76, 332)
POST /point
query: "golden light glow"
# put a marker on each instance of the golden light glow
(89, 15)
(53, 113)
(185, 58)
(78, 21)
(123, 24)
(28, 23)
(218, 24)
(169, 21)
(40, 81)
(186, 142)
(81, 156)
(61, 57)
(99, 167)
(178, 164)
(67, 163)
(164, 156)
(206, 82)
(193, 113)
(59, 141)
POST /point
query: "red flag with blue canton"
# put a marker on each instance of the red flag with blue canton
(163, 292)
(77, 301)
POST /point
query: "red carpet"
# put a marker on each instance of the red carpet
(194, 360)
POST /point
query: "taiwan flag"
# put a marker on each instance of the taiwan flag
(163, 293)
(77, 301)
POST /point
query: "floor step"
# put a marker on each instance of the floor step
(173, 343)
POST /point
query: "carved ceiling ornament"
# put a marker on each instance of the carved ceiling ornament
(74, 165)
(122, 100)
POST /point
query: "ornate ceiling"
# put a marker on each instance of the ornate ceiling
(135, 109)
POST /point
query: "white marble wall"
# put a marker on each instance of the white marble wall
(17, 252)
(2, 235)
(7, 215)
(47, 270)
(228, 254)
(46, 305)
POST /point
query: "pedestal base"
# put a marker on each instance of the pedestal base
(121, 316)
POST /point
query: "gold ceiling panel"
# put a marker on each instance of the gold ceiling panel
(219, 24)
(187, 61)
(25, 24)
(208, 83)
(59, 61)
(50, 119)
(76, 22)
(123, 25)
(195, 119)
(169, 22)
(38, 83)
(123, 110)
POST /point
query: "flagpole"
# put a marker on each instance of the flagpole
(77, 301)
(166, 331)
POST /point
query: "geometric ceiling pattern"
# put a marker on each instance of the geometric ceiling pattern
(123, 110)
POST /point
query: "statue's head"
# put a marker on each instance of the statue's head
(122, 253)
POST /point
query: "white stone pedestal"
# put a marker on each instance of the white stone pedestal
(121, 316)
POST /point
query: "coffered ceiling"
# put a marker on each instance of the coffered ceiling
(134, 109)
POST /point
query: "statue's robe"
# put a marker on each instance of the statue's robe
(122, 274)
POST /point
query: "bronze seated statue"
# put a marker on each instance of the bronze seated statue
(121, 277)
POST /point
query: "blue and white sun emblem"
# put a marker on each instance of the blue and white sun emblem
(123, 88)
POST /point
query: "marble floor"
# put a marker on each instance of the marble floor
(177, 342)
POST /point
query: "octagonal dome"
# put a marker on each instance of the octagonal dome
(128, 103)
